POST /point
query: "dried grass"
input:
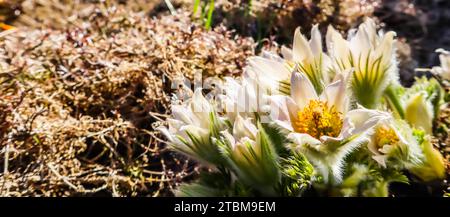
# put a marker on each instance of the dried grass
(279, 18)
(79, 104)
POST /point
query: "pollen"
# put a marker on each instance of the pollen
(385, 136)
(319, 119)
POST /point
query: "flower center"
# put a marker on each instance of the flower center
(385, 136)
(318, 119)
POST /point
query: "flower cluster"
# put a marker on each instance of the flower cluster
(336, 121)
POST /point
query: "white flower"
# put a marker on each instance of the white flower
(321, 126)
(241, 97)
(189, 130)
(309, 57)
(269, 72)
(272, 72)
(251, 155)
(242, 140)
(371, 55)
(444, 69)
(393, 141)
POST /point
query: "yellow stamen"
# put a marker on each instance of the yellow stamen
(318, 119)
(385, 136)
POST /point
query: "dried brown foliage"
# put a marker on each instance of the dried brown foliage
(59, 13)
(443, 136)
(279, 18)
(79, 104)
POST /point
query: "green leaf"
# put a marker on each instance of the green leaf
(297, 175)
(209, 16)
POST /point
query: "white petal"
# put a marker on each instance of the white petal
(381, 159)
(360, 43)
(286, 125)
(198, 132)
(201, 109)
(180, 112)
(174, 125)
(336, 94)
(292, 109)
(316, 41)
(278, 108)
(244, 128)
(301, 139)
(271, 56)
(386, 48)
(301, 49)
(287, 53)
(199, 103)
(338, 48)
(444, 58)
(165, 132)
(228, 137)
(364, 119)
(252, 97)
(266, 72)
(302, 90)
(370, 27)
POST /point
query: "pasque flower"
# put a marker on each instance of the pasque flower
(250, 154)
(444, 69)
(321, 108)
(273, 72)
(433, 164)
(270, 72)
(419, 105)
(241, 97)
(419, 112)
(394, 144)
(323, 127)
(191, 128)
(309, 57)
(371, 55)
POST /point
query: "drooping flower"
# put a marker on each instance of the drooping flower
(321, 126)
(419, 112)
(191, 128)
(251, 155)
(444, 69)
(419, 105)
(433, 163)
(393, 144)
(371, 55)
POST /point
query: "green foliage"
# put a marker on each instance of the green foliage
(315, 73)
(206, 12)
(368, 81)
(435, 93)
(200, 148)
(368, 180)
(214, 184)
(329, 159)
(297, 175)
(392, 94)
(255, 166)
(277, 139)
(432, 166)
